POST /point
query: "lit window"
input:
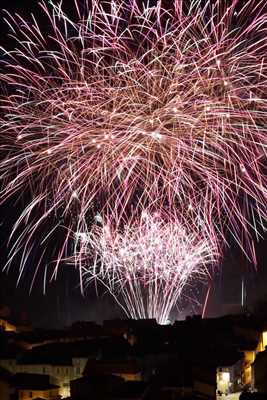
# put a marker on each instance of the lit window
(226, 376)
(264, 339)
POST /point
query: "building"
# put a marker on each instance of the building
(108, 387)
(33, 386)
(183, 380)
(97, 387)
(259, 371)
(262, 341)
(229, 374)
(63, 362)
(251, 351)
(128, 370)
(5, 387)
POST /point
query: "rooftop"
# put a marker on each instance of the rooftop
(24, 381)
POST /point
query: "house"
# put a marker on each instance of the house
(259, 371)
(5, 387)
(108, 387)
(62, 361)
(97, 387)
(263, 339)
(32, 386)
(131, 391)
(184, 380)
(229, 373)
(129, 370)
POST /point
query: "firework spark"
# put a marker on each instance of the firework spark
(128, 104)
(146, 263)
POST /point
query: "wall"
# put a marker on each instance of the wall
(60, 375)
(264, 340)
(130, 377)
(206, 389)
(223, 380)
(4, 390)
(43, 394)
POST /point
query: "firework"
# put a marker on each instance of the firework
(145, 263)
(127, 104)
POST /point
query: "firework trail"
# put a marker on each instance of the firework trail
(145, 263)
(127, 105)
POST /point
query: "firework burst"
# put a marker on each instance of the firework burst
(145, 263)
(126, 104)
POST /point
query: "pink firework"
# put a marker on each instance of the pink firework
(145, 263)
(125, 103)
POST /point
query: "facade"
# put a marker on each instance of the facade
(259, 370)
(49, 393)
(96, 386)
(229, 374)
(128, 370)
(5, 388)
(61, 375)
(263, 341)
(61, 368)
(249, 357)
(34, 386)
(250, 366)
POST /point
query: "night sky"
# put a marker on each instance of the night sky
(63, 303)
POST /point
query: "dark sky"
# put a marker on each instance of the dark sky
(63, 302)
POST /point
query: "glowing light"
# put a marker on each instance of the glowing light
(156, 135)
(98, 218)
(264, 339)
(81, 236)
(226, 376)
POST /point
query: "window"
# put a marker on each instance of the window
(30, 395)
(44, 370)
(78, 370)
